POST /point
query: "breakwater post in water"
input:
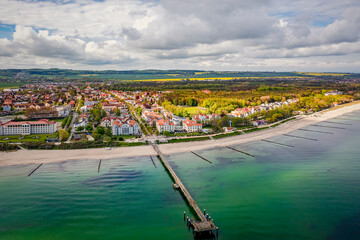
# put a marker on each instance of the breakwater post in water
(99, 166)
(289, 135)
(315, 131)
(234, 149)
(339, 123)
(281, 144)
(347, 119)
(152, 161)
(34, 170)
(328, 126)
(201, 157)
(203, 227)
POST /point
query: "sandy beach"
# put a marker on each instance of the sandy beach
(48, 156)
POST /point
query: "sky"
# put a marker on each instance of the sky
(226, 35)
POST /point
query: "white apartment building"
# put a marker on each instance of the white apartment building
(26, 128)
(63, 111)
(165, 125)
(125, 128)
(192, 126)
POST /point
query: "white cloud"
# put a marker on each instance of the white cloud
(221, 35)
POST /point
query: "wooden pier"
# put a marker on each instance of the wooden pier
(204, 226)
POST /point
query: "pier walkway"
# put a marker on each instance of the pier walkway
(204, 226)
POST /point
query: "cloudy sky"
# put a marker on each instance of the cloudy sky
(243, 35)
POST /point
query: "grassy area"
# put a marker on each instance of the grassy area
(123, 144)
(4, 85)
(185, 134)
(227, 135)
(77, 145)
(125, 136)
(188, 139)
(194, 110)
(27, 138)
(255, 129)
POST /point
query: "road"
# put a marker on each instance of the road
(75, 115)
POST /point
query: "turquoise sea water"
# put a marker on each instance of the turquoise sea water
(311, 191)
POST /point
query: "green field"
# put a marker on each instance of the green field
(4, 85)
(194, 110)
(157, 75)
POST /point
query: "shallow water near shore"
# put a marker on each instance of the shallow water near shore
(308, 191)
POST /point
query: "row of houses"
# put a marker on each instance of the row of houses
(29, 96)
(247, 111)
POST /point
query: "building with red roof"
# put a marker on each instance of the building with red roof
(192, 126)
(165, 125)
(41, 126)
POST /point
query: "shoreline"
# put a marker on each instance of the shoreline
(22, 157)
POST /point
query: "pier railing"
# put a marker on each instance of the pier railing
(205, 225)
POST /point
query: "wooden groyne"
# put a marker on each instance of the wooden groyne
(347, 119)
(316, 125)
(205, 226)
(301, 137)
(152, 161)
(34, 170)
(339, 123)
(99, 166)
(281, 144)
(351, 115)
(201, 157)
(315, 131)
(234, 149)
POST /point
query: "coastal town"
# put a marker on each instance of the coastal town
(73, 113)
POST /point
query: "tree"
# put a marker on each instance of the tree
(96, 135)
(97, 119)
(108, 132)
(117, 112)
(80, 128)
(276, 117)
(103, 113)
(139, 111)
(63, 135)
(166, 133)
(107, 139)
(100, 130)
(89, 128)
